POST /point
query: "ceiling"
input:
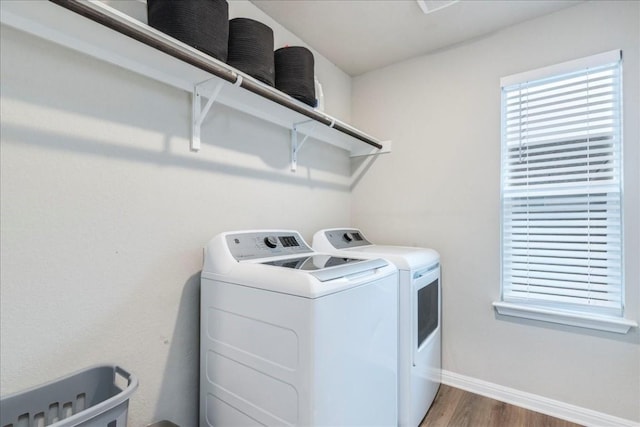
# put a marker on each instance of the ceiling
(362, 35)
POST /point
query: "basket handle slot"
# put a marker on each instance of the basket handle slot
(81, 401)
(23, 420)
(39, 420)
(54, 413)
(122, 379)
(67, 410)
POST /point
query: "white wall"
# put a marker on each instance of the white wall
(104, 213)
(440, 188)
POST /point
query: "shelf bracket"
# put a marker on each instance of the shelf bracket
(209, 89)
(295, 145)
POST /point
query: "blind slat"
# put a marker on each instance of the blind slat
(513, 121)
(593, 134)
(586, 295)
(562, 188)
(582, 270)
(546, 99)
(561, 283)
(568, 166)
(559, 111)
(561, 242)
(553, 128)
(533, 218)
(565, 200)
(561, 178)
(563, 301)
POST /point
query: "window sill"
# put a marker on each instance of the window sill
(601, 323)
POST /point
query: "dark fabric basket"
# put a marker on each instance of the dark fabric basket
(294, 67)
(202, 24)
(251, 49)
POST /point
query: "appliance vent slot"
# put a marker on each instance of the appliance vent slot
(288, 241)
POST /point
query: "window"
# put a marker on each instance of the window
(562, 194)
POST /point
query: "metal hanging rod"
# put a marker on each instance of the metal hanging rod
(209, 65)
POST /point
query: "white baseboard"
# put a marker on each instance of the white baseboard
(534, 402)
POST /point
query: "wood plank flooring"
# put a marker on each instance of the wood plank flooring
(453, 407)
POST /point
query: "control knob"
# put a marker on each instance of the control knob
(271, 241)
(347, 237)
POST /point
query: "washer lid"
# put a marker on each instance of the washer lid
(351, 242)
(327, 267)
(403, 257)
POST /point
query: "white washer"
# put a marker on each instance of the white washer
(291, 337)
(419, 334)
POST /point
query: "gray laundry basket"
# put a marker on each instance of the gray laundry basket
(94, 397)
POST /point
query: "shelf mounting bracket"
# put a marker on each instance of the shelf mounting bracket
(209, 89)
(295, 145)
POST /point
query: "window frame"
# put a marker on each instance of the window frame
(559, 312)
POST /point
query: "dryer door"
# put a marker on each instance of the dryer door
(425, 308)
(425, 342)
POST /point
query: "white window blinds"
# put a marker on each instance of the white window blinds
(561, 186)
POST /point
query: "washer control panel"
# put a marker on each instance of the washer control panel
(265, 244)
(346, 238)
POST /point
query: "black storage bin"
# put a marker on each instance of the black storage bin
(251, 49)
(203, 24)
(295, 73)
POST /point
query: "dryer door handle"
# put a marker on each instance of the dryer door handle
(424, 277)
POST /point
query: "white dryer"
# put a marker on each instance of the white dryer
(419, 333)
(290, 337)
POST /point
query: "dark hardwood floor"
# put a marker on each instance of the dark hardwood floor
(453, 407)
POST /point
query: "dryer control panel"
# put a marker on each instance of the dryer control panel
(265, 244)
(346, 238)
